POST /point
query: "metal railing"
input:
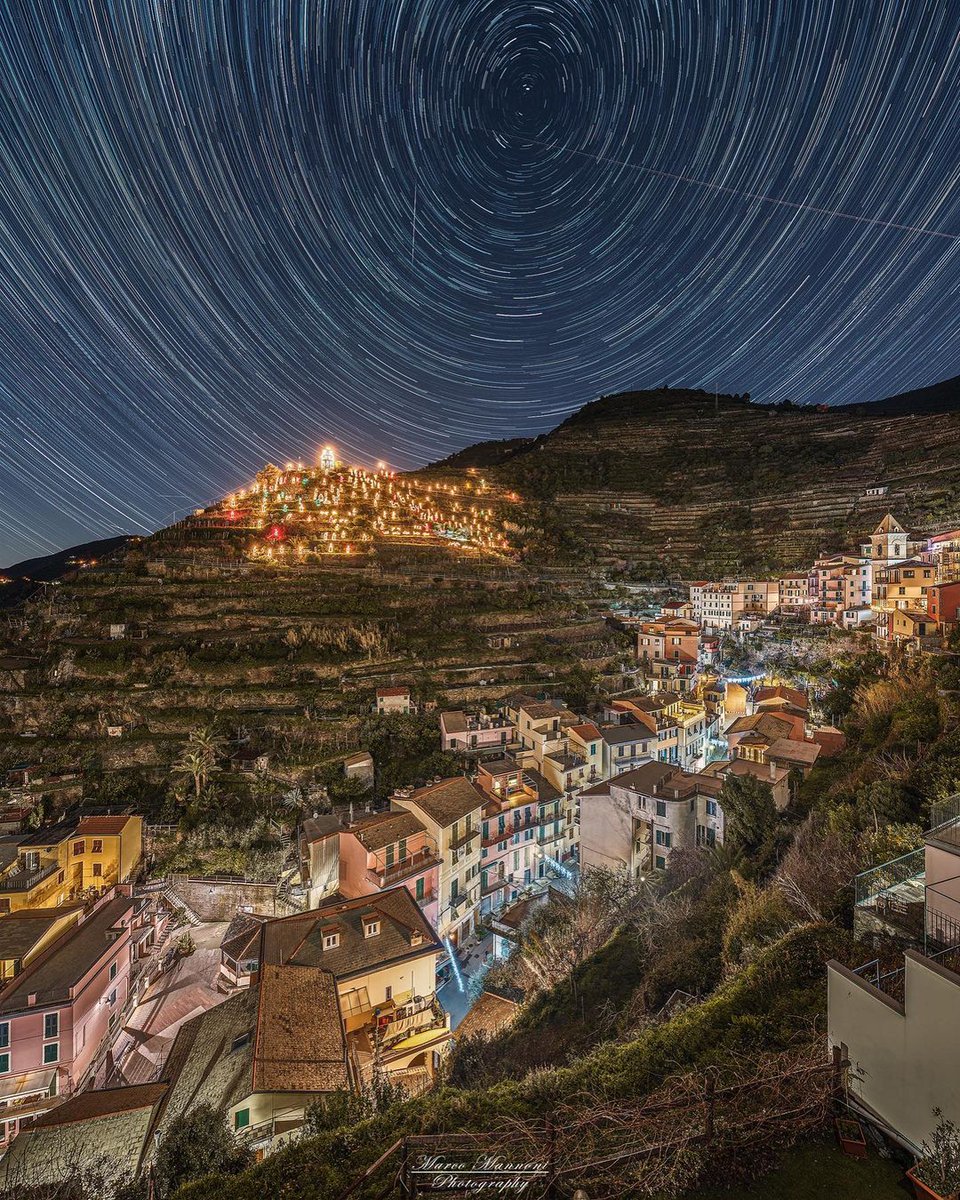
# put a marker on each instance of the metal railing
(22, 880)
(870, 884)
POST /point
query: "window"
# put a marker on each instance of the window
(51, 1025)
(403, 849)
(711, 808)
(388, 993)
(660, 862)
(389, 857)
(663, 838)
(97, 869)
(420, 888)
(113, 970)
(97, 846)
(4, 1063)
(661, 808)
(4, 1034)
(241, 1118)
(77, 848)
(51, 1052)
(241, 1041)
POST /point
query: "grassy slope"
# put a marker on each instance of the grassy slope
(768, 1005)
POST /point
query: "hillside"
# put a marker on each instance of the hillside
(670, 480)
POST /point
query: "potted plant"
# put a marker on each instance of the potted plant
(850, 1136)
(936, 1174)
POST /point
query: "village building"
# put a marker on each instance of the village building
(467, 733)
(394, 700)
(53, 865)
(525, 830)
(58, 1011)
(633, 822)
(450, 811)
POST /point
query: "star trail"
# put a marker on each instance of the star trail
(230, 232)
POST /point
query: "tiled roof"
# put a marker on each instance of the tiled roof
(300, 1044)
(211, 1060)
(804, 753)
(103, 1102)
(392, 691)
(68, 959)
(107, 1128)
(22, 930)
(454, 721)
(489, 1015)
(782, 691)
(298, 939)
(242, 936)
(587, 732)
(106, 826)
(618, 735)
(447, 801)
(384, 829)
(767, 724)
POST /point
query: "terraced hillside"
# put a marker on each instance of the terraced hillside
(671, 481)
(104, 676)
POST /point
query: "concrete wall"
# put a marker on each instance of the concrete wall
(904, 1057)
(215, 900)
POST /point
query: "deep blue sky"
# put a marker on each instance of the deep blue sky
(209, 255)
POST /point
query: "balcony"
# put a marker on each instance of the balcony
(465, 837)
(23, 881)
(386, 874)
(495, 885)
(547, 837)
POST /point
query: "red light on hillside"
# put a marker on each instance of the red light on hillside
(276, 533)
(233, 515)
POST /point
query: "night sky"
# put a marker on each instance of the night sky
(232, 231)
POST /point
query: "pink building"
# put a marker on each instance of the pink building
(387, 849)
(523, 828)
(462, 732)
(58, 1014)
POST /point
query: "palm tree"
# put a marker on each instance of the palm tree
(199, 757)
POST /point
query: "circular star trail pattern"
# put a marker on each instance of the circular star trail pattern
(232, 231)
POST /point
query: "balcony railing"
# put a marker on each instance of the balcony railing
(23, 881)
(401, 868)
(467, 836)
(547, 836)
(878, 880)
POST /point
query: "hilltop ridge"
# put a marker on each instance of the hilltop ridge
(670, 480)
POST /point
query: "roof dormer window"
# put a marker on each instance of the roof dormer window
(330, 937)
(371, 925)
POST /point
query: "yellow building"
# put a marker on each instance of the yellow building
(49, 867)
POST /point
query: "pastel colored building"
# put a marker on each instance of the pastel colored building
(466, 733)
(450, 811)
(524, 829)
(56, 1013)
(50, 866)
(394, 700)
(633, 822)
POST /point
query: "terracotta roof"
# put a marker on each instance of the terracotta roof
(782, 691)
(242, 936)
(392, 691)
(298, 939)
(384, 829)
(300, 1044)
(65, 962)
(804, 753)
(489, 1015)
(500, 766)
(764, 724)
(105, 825)
(446, 801)
(588, 732)
(103, 1102)
(454, 721)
